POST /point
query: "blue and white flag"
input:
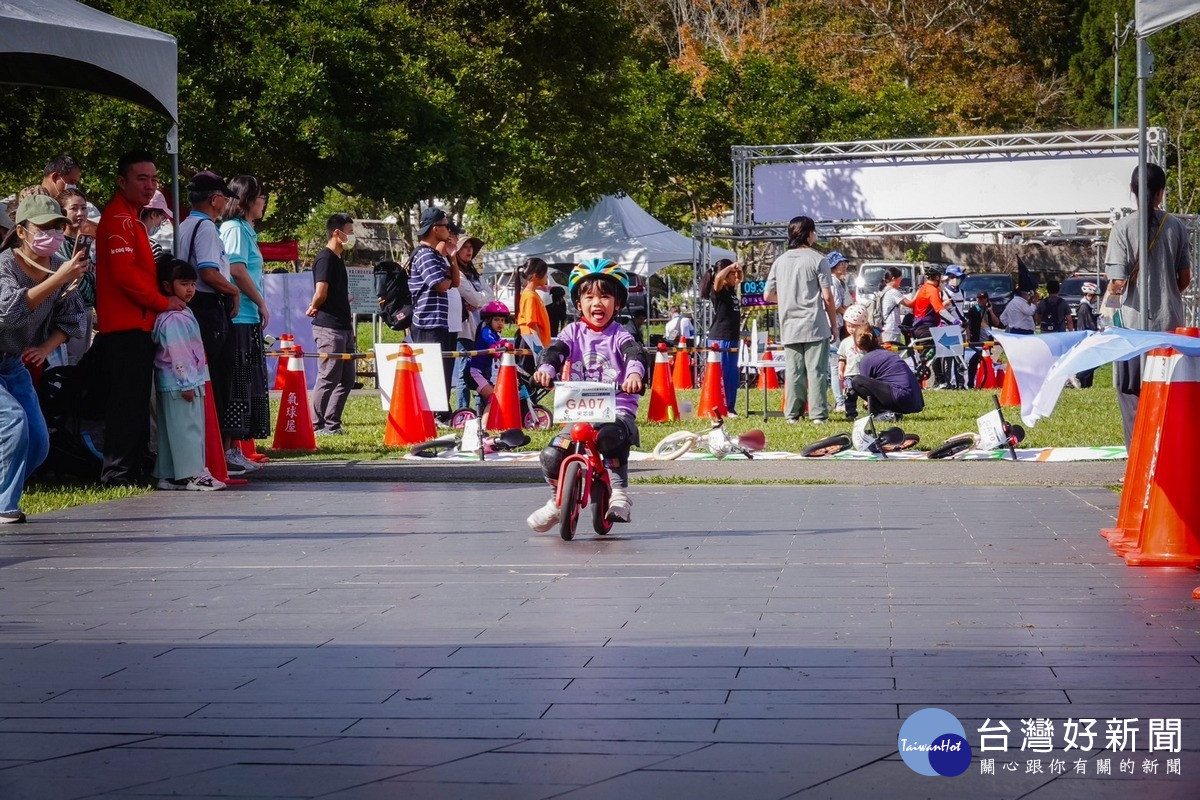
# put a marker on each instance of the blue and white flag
(1030, 357)
(1114, 344)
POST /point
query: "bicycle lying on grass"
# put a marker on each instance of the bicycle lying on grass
(717, 440)
(865, 438)
(995, 433)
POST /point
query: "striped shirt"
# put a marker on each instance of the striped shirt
(430, 308)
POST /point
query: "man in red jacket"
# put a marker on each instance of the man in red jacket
(127, 302)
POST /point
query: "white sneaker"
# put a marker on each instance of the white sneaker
(620, 506)
(545, 518)
(840, 408)
(234, 455)
(204, 482)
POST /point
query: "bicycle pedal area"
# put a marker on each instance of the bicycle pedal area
(1036, 454)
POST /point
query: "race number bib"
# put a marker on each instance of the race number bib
(991, 431)
(584, 401)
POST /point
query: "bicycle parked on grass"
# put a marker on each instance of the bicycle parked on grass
(866, 438)
(995, 433)
(716, 439)
(534, 416)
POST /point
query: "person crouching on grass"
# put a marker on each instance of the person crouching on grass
(180, 372)
(600, 350)
(885, 380)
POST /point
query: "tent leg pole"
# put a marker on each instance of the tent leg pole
(173, 150)
(1144, 201)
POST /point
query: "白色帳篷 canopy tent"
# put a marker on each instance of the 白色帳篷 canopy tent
(67, 45)
(616, 228)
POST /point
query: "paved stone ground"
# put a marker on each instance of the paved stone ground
(377, 640)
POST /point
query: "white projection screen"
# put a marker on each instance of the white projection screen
(943, 187)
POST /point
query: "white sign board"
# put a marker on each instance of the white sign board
(429, 362)
(360, 285)
(948, 341)
(944, 188)
(991, 431)
(584, 401)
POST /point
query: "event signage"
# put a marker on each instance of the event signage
(752, 293)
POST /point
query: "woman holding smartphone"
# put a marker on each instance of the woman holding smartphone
(38, 312)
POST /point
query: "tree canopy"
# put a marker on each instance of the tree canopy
(518, 110)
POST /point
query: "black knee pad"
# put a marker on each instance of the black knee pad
(552, 458)
(612, 440)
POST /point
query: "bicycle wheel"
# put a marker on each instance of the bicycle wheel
(828, 446)
(461, 417)
(954, 446)
(434, 447)
(907, 442)
(599, 500)
(571, 487)
(674, 445)
(538, 419)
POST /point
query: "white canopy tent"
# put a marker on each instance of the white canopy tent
(616, 228)
(67, 45)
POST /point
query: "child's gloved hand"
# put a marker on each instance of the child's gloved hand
(632, 384)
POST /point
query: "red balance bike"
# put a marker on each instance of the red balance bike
(583, 478)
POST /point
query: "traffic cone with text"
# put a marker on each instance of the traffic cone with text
(683, 367)
(770, 377)
(293, 424)
(1147, 429)
(664, 407)
(286, 343)
(1170, 535)
(504, 409)
(409, 419)
(214, 451)
(712, 388)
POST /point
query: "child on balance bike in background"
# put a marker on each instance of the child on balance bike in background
(599, 350)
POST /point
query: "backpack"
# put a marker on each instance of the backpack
(395, 299)
(875, 313)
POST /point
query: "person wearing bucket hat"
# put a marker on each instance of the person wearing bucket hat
(39, 311)
(128, 300)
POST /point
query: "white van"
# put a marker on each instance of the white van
(870, 273)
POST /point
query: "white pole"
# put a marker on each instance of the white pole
(1144, 67)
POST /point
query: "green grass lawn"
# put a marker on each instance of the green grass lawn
(1082, 418)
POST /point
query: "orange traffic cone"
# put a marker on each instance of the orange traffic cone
(712, 388)
(293, 425)
(683, 367)
(1147, 429)
(250, 451)
(504, 409)
(214, 451)
(409, 419)
(1009, 394)
(985, 376)
(770, 377)
(286, 343)
(1170, 535)
(664, 407)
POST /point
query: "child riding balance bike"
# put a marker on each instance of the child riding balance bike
(599, 350)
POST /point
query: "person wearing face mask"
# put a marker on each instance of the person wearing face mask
(955, 302)
(39, 311)
(62, 172)
(333, 327)
(128, 300)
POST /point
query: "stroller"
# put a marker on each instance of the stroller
(72, 401)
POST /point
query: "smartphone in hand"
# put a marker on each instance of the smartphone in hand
(83, 244)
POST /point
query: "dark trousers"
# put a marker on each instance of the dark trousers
(881, 397)
(129, 368)
(447, 340)
(215, 332)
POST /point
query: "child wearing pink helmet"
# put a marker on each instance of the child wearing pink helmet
(492, 319)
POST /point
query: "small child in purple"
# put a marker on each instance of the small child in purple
(598, 349)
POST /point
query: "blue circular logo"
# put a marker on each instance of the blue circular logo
(933, 742)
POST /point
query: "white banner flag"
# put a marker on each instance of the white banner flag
(1154, 15)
